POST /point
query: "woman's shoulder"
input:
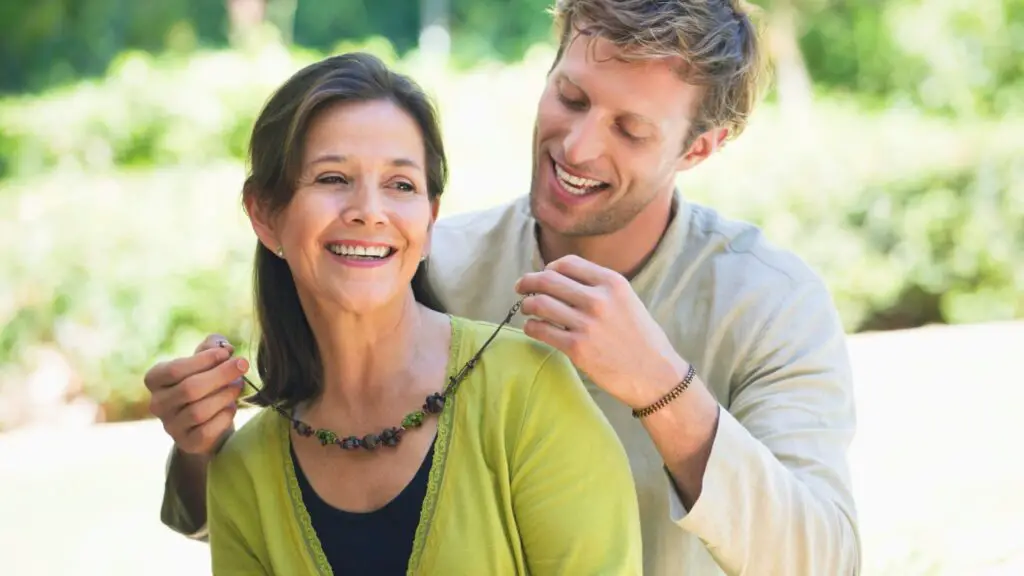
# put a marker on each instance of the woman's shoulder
(252, 445)
(505, 344)
(513, 369)
(506, 347)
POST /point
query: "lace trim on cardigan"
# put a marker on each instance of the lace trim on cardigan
(437, 467)
(309, 537)
(434, 480)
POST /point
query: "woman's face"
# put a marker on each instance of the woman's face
(359, 222)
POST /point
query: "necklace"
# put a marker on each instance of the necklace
(391, 436)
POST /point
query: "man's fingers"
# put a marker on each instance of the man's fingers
(552, 310)
(201, 385)
(174, 371)
(214, 341)
(208, 437)
(555, 285)
(201, 412)
(553, 336)
(581, 270)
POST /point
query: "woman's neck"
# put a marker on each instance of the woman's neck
(367, 358)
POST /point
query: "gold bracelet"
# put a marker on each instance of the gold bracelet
(672, 395)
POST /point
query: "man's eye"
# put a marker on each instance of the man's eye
(629, 136)
(572, 104)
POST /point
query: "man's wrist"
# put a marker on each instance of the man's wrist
(187, 480)
(684, 433)
(662, 382)
(190, 460)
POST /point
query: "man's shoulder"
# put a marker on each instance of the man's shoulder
(739, 278)
(749, 299)
(475, 258)
(742, 252)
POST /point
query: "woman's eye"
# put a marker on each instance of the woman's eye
(332, 179)
(405, 187)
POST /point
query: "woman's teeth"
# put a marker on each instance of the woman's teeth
(575, 184)
(360, 252)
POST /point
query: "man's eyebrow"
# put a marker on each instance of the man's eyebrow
(563, 76)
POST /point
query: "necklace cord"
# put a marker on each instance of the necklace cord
(390, 436)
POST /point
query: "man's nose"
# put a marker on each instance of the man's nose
(583, 144)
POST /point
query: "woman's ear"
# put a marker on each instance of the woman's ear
(261, 220)
(435, 205)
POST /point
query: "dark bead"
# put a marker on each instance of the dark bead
(371, 441)
(391, 436)
(350, 443)
(303, 429)
(435, 403)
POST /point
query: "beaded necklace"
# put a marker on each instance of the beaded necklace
(391, 436)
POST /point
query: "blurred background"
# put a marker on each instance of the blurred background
(889, 154)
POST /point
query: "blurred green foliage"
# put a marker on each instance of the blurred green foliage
(958, 57)
(119, 192)
(51, 42)
(962, 57)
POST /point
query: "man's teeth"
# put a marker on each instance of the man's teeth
(359, 251)
(575, 184)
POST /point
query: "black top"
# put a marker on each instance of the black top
(378, 542)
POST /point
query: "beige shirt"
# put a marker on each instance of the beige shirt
(761, 330)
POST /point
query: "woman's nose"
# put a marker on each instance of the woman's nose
(366, 206)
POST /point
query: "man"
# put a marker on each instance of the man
(637, 285)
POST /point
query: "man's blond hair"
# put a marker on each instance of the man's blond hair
(715, 39)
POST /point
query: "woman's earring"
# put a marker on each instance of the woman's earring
(280, 252)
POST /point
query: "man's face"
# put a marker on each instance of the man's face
(608, 139)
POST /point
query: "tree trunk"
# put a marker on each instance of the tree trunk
(245, 18)
(282, 14)
(435, 38)
(796, 95)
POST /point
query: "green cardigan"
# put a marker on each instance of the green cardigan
(528, 477)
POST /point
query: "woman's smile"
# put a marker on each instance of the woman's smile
(360, 254)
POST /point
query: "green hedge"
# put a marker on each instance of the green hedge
(911, 220)
(129, 242)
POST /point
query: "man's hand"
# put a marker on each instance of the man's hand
(196, 397)
(592, 315)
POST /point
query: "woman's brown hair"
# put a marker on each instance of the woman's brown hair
(288, 359)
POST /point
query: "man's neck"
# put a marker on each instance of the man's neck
(625, 251)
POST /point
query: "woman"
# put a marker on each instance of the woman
(396, 438)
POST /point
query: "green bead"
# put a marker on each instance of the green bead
(413, 420)
(326, 436)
